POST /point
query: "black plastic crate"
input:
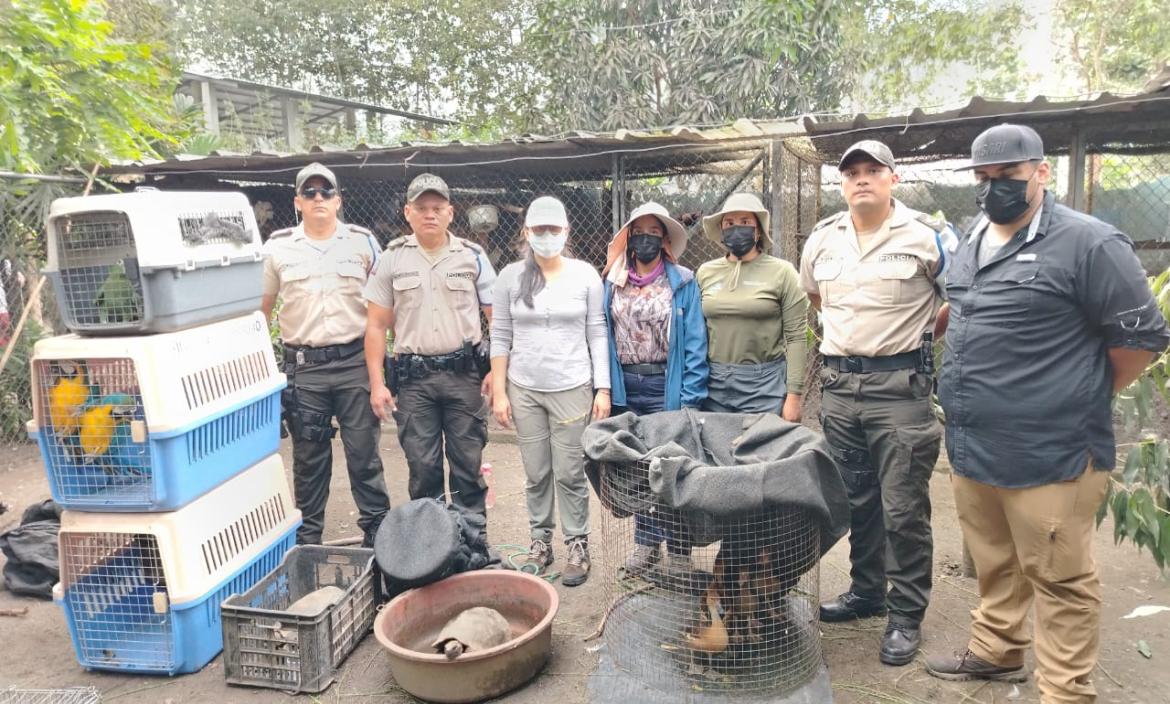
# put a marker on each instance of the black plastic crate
(266, 646)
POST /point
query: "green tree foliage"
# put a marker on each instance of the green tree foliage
(621, 63)
(1139, 496)
(72, 94)
(1115, 45)
(899, 50)
(449, 58)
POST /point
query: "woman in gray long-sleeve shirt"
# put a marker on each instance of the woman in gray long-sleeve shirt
(550, 372)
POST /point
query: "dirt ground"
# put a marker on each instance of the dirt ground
(37, 652)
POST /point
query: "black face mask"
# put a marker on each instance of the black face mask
(739, 240)
(1002, 199)
(646, 248)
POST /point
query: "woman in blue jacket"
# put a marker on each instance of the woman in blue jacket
(657, 348)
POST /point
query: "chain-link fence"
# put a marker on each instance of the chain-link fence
(1129, 189)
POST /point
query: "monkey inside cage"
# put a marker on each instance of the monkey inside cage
(712, 529)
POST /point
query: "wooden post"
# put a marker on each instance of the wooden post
(777, 160)
(1076, 172)
(292, 123)
(210, 107)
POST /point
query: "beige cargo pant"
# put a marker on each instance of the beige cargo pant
(548, 430)
(1034, 547)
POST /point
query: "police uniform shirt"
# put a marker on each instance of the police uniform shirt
(320, 283)
(876, 299)
(1025, 382)
(436, 302)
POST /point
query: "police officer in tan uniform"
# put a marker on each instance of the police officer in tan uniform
(430, 287)
(317, 270)
(873, 272)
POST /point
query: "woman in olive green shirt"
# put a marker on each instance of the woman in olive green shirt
(755, 311)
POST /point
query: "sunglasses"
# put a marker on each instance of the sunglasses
(311, 193)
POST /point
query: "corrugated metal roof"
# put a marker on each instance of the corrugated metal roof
(1138, 120)
(584, 155)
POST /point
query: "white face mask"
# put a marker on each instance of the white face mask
(548, 245)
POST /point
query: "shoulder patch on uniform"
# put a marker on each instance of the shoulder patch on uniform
(934, 222)
(472, 246)
(396, 242)
(281, 233)
(831, 220)
(358, 229)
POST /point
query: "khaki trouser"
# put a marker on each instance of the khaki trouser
(548, 430)
(1035, 546)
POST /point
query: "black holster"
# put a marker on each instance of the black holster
(390, 371)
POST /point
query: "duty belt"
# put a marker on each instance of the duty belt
(316, 355)
(435, 362)
(644, 369)
(865, 365)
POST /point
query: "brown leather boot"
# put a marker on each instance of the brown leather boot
(966, 665)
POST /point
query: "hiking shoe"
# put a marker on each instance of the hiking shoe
(577, 565)
(642, 559)
(964, 666)
(540, 556)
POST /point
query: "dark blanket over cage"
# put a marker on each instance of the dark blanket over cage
(709, 466)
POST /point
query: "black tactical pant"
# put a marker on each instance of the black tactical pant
(885, 439)
(340, 390)
(444, 413)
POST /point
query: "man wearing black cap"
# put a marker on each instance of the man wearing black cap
(1050, 315)
(318, 270)
(430, 287)
(873, 271)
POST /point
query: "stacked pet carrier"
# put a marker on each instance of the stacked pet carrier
(158, 423)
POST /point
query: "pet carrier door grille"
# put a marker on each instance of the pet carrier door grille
(99, 268)
(92, 413)
(117, 590)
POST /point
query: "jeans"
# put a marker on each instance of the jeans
(646, 393)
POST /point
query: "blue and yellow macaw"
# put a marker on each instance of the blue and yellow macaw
(105, 435)
(67, 399)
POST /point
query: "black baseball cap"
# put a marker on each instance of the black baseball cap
(1005, 144)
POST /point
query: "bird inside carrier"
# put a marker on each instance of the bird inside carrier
(149, 423)
(151, 261)
(713, 529)
(143, 591)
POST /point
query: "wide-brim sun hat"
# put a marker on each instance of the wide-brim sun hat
(738, 202)
(676, 233)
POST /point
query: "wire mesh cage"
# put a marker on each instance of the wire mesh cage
(151, 261)
(62, 695)
(736, 615)
(125, 425)
(142, 592)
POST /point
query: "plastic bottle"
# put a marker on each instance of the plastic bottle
(486, 470)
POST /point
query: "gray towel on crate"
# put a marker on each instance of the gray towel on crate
(712, 466)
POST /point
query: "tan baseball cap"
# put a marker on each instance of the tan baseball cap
(424, 183)
(871, 148)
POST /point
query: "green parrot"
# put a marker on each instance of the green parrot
(117, 301)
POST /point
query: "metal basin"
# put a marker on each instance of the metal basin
(411, 621)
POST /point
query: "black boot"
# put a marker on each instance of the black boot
(899, 644)
(849, 606)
